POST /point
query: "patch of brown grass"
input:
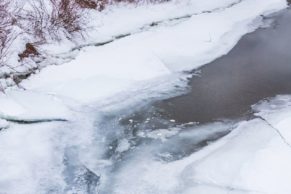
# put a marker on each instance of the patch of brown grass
(29, 51)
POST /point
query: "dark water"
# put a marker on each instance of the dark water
(258, 67)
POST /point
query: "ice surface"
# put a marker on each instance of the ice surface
(30, 159)
(32, 106)
(123, 145)
(277, 113)
(35, 158)
(253, 158)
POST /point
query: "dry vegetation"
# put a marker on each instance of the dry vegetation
(40, 21)
(51, 19)
(44, 20)
(6, 31)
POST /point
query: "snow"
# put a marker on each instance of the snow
(118, 19)
(35, 157)
(251, 161)
(28, 161)
(48, 156)
(254, 157)
(3, 124)
(32, 106)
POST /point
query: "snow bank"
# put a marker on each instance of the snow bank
(123, 18)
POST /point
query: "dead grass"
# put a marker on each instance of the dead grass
(87, 4)
(29, 51)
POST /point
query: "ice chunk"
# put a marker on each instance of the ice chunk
(123, 146)
(3, 124)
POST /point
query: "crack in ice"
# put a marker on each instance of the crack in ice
(275, 129)
(34, 121)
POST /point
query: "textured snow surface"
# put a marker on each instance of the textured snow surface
(67, 156)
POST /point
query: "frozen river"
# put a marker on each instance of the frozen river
(129, 116)
(221, 94)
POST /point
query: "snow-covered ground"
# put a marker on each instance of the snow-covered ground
(52, 133)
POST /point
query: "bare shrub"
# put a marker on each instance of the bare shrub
(5, 36)
(87, 4)
(67, 14)
(6, 33)
(35, 21)
(53, 19)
